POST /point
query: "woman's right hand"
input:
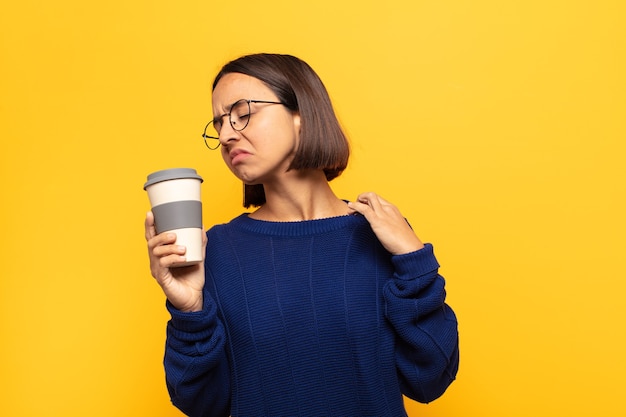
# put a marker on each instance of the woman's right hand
(182, 285)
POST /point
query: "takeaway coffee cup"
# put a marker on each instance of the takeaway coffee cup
(175, 199)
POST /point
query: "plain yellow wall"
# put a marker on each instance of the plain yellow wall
(498, 127)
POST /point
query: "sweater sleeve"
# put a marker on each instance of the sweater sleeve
(196, 368)
(427, 346)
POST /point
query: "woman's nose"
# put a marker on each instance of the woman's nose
(227, 134)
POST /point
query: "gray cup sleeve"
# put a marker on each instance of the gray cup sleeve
(177, 215)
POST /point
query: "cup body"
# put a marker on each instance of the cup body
(175, 198)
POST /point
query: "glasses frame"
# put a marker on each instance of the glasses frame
(212, 121)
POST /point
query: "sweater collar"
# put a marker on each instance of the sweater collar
(296, 228)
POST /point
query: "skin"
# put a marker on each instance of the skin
(260, 154)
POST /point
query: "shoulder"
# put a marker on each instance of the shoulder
(225, 226)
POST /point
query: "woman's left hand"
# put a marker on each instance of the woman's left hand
(390, 227)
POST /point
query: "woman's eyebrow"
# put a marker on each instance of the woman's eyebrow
(229, 107)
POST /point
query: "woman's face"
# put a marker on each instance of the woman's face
(263, 151)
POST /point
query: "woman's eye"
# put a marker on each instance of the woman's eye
(239, 120)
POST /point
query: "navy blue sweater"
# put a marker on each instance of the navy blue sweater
(311, 318)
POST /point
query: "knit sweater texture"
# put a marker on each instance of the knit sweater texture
(311, 318)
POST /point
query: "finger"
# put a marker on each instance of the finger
(164, 243)
(368, 197)
(382, 201)
(365, 210)
(364, 197)
(168, 261)
(149, 226)
(165, 247)
(371, 199)
(359, 207)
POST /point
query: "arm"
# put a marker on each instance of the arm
(427, 349)
(196, 366)
(427, 346)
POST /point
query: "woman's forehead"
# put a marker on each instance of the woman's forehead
(235, 86)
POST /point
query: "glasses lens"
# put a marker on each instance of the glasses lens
(240, 115)
(211, 136)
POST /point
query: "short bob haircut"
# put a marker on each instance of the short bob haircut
(323, 144)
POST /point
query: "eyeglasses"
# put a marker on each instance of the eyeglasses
(238, 117)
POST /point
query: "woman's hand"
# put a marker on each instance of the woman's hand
(390, 227)
(182, 285)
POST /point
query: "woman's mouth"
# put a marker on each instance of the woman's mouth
(237, 156)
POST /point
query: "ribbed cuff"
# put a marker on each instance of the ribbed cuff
(415, 264)
(193, 322)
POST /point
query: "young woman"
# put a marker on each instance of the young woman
(310, 305)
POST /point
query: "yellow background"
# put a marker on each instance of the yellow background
(497, 127)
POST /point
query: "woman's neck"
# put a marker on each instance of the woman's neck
(304, 196)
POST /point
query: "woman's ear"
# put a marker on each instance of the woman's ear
(296, 122)
(297, 127)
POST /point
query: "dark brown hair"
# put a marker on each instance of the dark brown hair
(323, 145)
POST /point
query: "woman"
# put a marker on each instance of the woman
(310, 305)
